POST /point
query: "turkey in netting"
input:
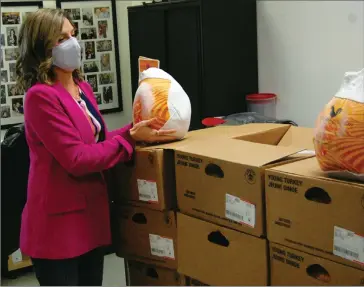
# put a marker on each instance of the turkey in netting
(160, 96)
(339, 133)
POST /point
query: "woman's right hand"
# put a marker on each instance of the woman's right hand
(142, 132)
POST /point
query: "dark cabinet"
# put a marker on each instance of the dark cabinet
(208, 46)
(147, 37)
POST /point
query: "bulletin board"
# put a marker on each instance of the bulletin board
(13, 15)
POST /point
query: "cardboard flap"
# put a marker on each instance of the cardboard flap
(219, 132)
(298, 136)
(238, 151)
(270, 137)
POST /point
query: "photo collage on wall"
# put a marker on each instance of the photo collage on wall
(94, 24)
(11, 97)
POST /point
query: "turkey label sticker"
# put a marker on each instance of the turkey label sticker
(348, 245)
(239, 210)
(148, 191)
(145, 63)
(161, 246)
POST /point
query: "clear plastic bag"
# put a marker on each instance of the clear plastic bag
(339, 133)
(251, 117)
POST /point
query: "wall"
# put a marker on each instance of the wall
(305, 47)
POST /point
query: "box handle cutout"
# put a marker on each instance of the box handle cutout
(139, 218)
(214, 170)
(318, 272)
(218, 238)
(318, 195)
(152, 273)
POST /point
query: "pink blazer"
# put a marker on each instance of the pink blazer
(67, 212)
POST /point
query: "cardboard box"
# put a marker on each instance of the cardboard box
(220, 256)
(308, 211)
(146, 235)
(222, 180)
(18, 260)
(149, 180)
(290, 267)
(141, 274)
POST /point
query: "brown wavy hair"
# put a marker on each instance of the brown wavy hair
(38, 35)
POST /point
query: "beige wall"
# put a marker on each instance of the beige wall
(305, 47)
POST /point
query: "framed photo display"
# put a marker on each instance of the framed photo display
(12, 16)
(96, 25)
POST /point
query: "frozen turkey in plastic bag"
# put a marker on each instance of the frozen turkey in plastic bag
(339, 132)
(160, 96)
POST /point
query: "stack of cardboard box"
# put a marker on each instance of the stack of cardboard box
(145, 228)
(216, 178)
(315, 226)
(220, 192)
(144, 212)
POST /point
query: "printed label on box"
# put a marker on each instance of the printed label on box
(239, 210)
(348, 245)
(147, 190)
(161, 246)
(17, 257)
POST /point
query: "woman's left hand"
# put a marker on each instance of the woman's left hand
(142, 132)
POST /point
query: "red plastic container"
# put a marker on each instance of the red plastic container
(264, 104)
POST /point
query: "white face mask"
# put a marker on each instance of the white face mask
(67, 55)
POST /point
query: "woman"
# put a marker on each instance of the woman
(66, 218)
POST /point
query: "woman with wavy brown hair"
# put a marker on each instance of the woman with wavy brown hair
(65, 222)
